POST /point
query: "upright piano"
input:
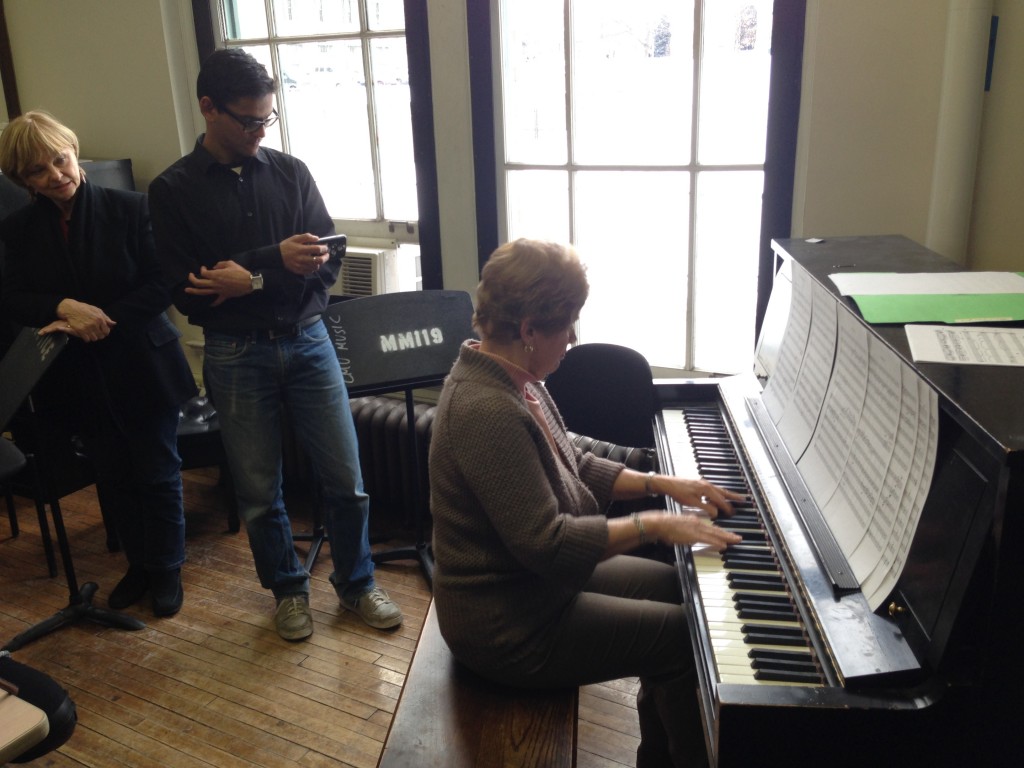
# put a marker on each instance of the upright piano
(896, 639)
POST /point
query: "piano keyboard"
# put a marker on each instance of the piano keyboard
(755, 629)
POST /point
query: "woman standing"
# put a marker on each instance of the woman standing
(80, 260)
(532, 584)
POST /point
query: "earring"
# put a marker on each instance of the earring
(528, 348)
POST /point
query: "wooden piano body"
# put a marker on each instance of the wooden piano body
(932, 676)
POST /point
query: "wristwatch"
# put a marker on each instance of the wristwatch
(256, 281)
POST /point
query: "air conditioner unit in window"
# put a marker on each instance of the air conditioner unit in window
(371, 271)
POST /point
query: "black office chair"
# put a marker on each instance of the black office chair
(606, 392)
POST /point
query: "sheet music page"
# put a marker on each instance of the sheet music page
(773, 327)
(822, 463)
(880, 583)
(779, 391)
(800, 417)
(885, 517)
(848, 512)
(966, 346)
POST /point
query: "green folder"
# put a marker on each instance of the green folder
(943, 308)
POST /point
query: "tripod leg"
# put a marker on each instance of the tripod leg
(81, 607)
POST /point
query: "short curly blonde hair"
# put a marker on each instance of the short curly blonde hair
(28, 137)
(543, 281)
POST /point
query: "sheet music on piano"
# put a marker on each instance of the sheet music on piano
(862, 429)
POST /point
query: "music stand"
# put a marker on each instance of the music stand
(400, 342)
(21, 368)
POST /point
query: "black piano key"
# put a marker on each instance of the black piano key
(763, 654)
(785, 665)
(761, 598)
(767, 614)
(751, 564)
(747, 548)
(749, 525)
(749, 552)
(778, 676)
(748, 600)
(756, 581)
(747, 535)
(775, 611)
(720, 467)
(764, 634)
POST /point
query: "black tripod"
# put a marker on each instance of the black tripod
(80, 601)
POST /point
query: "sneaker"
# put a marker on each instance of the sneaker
(375, 608)
(294, 620)
(129, 589)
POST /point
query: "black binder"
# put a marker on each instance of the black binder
(23, 366)
(397, 341)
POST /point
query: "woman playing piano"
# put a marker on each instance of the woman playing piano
(533, 586)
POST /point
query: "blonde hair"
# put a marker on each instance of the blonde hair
(545, 282)
(30, 136)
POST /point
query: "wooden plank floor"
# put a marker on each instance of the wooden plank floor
(215, 685)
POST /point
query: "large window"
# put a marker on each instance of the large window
(637, 132)
(344, 101)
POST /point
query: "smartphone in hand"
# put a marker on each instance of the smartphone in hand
(336, 245)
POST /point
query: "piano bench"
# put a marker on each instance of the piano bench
(448, 717)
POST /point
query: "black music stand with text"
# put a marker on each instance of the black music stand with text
(21, 368)
(400, 342)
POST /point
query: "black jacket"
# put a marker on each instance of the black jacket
(108, 260)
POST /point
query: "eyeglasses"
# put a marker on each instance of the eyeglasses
(252, 124)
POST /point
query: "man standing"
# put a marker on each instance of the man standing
(237, 227)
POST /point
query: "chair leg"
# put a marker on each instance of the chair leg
(44, 534)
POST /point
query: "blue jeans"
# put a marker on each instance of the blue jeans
(253, 381)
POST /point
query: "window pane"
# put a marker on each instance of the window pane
(386, 14)
(327, 128)
(394, 128)
(636, 264)
(533, 72)
(632, 81)
(725, 279)
(305, 17)
(244, 19)
(734, 81)
(538, 205)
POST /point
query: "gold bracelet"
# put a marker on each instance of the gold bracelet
(647, 485)
(639, 527)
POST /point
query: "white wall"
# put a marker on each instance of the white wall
(897, 135)
(868, 117)
(995, 240)
(102, 67)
